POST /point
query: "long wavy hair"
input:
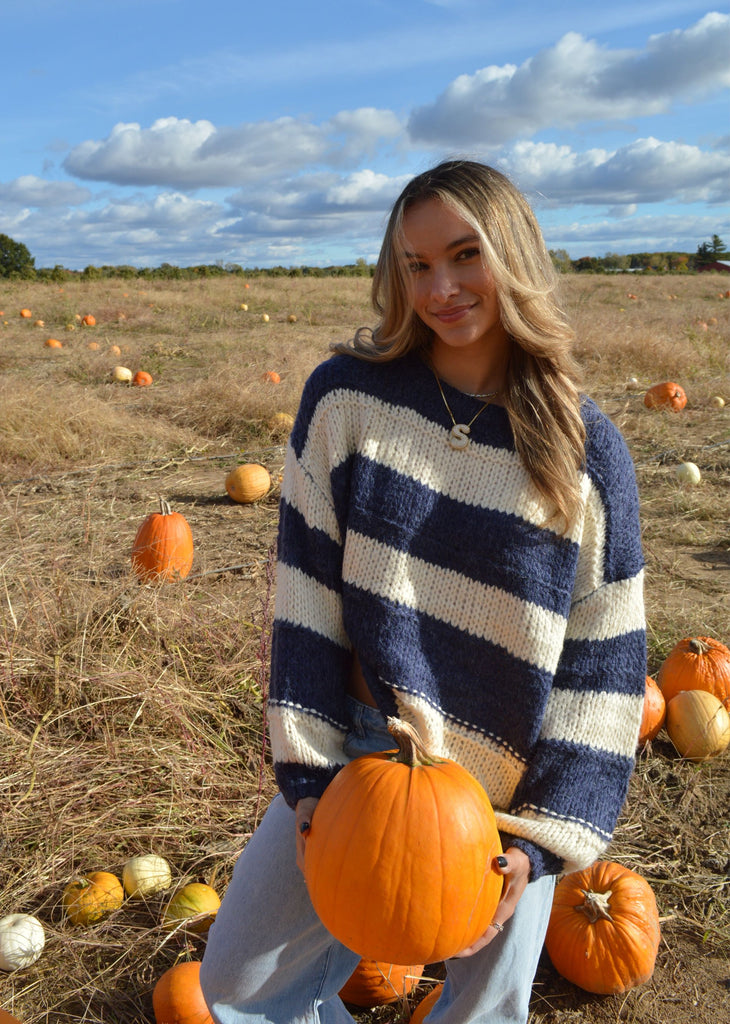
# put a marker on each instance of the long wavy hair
(541, 394)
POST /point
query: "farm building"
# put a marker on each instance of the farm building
(721, 265)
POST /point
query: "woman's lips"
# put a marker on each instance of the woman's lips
(451, 313)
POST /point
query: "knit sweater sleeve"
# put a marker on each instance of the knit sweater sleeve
(310, 651)
(574, 788)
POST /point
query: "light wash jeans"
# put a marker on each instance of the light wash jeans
(269, 960)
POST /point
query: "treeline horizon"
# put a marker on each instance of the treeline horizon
(630, 263)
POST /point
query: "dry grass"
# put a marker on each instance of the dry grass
(130, 716)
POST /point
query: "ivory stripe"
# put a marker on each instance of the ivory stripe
(527, 631)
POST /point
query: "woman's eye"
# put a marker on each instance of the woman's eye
(415, 266)
(468, 254)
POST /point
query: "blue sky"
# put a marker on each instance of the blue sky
(263, 133)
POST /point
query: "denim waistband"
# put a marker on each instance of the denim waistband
(364, 718)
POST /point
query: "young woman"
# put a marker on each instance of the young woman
(459, 547)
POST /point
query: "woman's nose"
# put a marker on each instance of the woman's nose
(443, 284)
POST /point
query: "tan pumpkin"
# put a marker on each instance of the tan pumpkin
(666, 396)
(696, 663)
(281, 423)
(163, 546)
(248, 483)
(373, 983)
(603, 933)
(655, 709)
(698, 725)
(194, 906)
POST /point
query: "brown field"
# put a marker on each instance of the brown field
(130, 715)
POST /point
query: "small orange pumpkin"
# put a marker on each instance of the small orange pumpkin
(411, 839)
(163, 546)
(89, 899)
(53, 343)
(425, 1006)
(26, 314)
(654, 713)
(248, 483)
(88, 320)
(696, 663)
(666, 396)
(375, 984)
(272, 377)
(142, 379)
(177, 998)
(604, 933)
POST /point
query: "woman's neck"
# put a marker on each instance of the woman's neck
(475, 373)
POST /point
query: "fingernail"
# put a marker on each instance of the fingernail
(502, 861)
(305, 826)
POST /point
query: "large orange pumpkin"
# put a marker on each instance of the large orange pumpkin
(5, 1017)
(666, 396)
(399, 859)
(696, 663)
(177, 998)
(374, 984)
(655, 709)
(604, 933)
(163, 547)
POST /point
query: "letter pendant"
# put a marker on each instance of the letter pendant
(459, 435)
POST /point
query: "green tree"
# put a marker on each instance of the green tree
(15, 259)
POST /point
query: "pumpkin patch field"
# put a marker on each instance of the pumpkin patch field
(133, 763)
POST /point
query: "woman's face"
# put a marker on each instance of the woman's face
(452, 292)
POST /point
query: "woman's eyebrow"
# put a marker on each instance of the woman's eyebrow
(451, 245)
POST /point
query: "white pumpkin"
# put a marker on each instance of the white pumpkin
(146, 874)
(22, 939)
(688, 473)
(122, 374)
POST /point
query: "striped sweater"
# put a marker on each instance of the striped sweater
(518, 652)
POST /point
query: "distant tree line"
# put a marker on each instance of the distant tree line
(17, 263)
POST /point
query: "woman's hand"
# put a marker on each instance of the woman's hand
(514, 865)
(303, 815)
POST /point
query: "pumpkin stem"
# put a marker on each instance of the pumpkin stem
(165, 509)
(698, 646)
(597, 905)
(411, 748)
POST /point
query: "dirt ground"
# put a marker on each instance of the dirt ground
(675, 827)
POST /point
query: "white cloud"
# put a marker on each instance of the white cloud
(183, 154)
(29, 190)
(577, 82)
(644, 171)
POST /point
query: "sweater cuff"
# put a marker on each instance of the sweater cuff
(542, 861)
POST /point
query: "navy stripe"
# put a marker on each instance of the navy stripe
(492, 547)
(308, 668)
(615, 665)
(317, 554)
(450, 669)
(575, 782)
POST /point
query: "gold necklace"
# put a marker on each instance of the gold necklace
(459, 433)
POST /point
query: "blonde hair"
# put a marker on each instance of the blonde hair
(541, 395)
